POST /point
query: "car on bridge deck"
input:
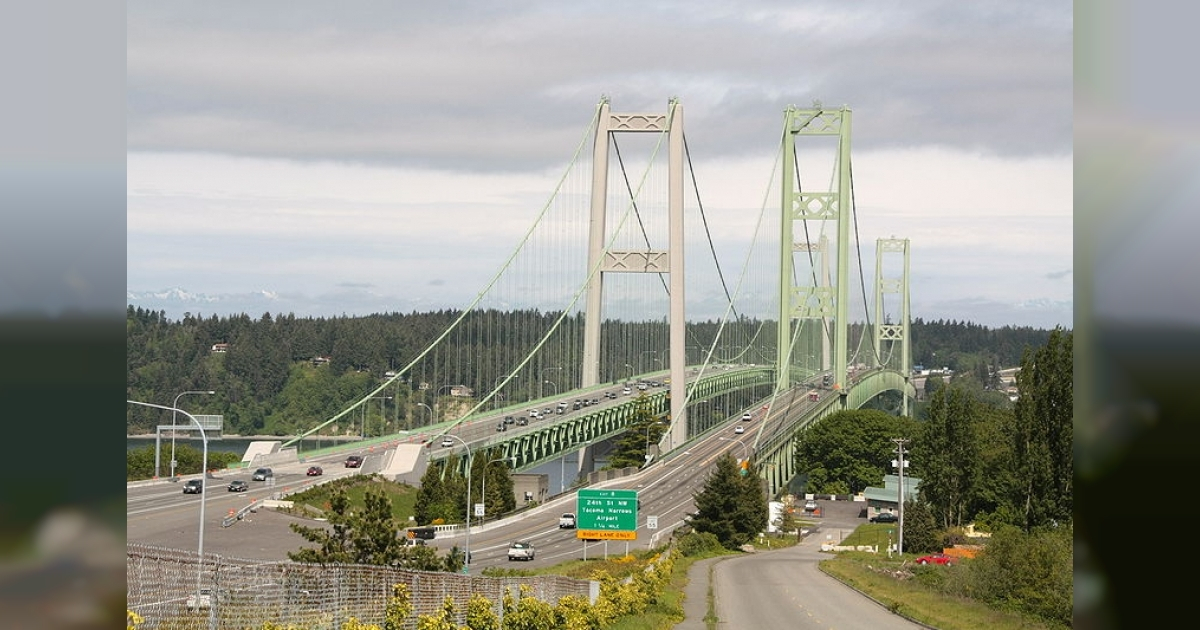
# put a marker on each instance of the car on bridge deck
(193, 486)
(237, 485)
(747, 417)
(262, 474)
(739, 429)
(354, 461)
(315, 471)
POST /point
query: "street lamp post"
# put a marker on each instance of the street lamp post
(432, 413)
(449, 436)
(542, 374)
(174, 405)
(630, 377)
(745, 451)
(654, 352)
(496, 394)
(363, 430)
(900, 463)
(203, 489)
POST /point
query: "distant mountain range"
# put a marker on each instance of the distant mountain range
(176, 302)
(360, 301)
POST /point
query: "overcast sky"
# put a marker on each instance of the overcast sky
(287, 156)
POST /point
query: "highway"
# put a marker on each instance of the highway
(159, 514)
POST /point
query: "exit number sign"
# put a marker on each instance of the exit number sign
(606, 514)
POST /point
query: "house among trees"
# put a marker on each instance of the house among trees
(320, 360)
(220, 347)
(462, 391)
(884, 499)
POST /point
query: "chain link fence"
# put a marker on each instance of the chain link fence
(172, 589)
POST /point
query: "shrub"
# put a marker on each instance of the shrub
(696, 543)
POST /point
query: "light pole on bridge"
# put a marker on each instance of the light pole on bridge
(542, 381)
(363, 430)
(432, 413)
(745, 451)
(497, 395)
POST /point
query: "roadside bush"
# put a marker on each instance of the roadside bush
(1031, 573)
(697, 543)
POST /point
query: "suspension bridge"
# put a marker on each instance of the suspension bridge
(616, 297)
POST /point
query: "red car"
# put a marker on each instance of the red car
(315, 471)
(935, 558)
(354, 461)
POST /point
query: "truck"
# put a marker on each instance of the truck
(566, 521)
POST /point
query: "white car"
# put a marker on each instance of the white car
(566, 521)
(739, 429)
(522, 550)
(746, 417)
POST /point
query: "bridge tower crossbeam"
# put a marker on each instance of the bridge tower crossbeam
(818, 302)
(669, 262)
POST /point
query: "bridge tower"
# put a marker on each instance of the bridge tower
(888, 334)
(670, 262)
(811, 303)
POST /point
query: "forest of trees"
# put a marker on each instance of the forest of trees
(266, 382)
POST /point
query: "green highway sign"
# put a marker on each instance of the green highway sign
(606, 514)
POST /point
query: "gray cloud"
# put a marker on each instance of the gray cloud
(468, 86)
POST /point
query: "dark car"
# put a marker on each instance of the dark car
(262, 474)
(354, 461)
(315, 471)
(884, 517)
(193, 486)
(237, 485)
(501, 427)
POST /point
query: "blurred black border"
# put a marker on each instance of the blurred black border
(1137, 414)
(62, 340)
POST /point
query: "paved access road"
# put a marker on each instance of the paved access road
(785, 589)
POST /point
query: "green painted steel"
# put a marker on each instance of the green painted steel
(819, 303)
(779, 451)
(537, 444)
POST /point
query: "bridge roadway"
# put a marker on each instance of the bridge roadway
(546, 439)
(160, 514)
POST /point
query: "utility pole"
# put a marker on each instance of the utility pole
(900, 464)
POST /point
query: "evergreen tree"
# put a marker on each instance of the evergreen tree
(947, 453)
(436, 498)
(729, 506)
(1042, 434)
(333, 546)
(629, 449)
(921, 531)
(370, 537)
